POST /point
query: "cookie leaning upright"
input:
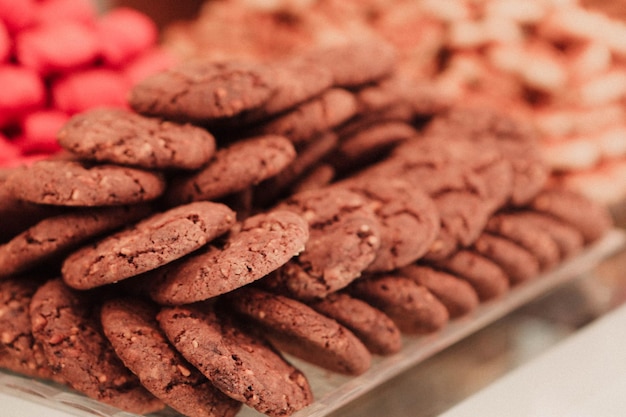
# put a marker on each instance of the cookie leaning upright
(153, 242)
(67, 325)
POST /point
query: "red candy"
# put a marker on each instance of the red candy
(61, 46)
(22, 91)
(39, 131)
(57, 10)
(8, 150)
(5, 43)
(61, 57)
(84, 90)
(124, 33)
(17, 14)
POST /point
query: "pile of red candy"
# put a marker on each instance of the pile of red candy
(61, 57)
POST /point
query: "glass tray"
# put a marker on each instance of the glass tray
(331, 390)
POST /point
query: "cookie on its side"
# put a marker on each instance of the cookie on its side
(131, 327)
(297, 329)
(244, 367)
(67, 324)
(153, 242)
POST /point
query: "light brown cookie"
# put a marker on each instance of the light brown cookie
(519, 264)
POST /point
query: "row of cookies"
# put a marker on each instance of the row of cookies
(414, 202)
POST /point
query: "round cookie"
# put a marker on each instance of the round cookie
(71, 183)
(297, 329)
(57, 235)
(311, 118)
(569, 240)
(243, 367)
(519, 264)
(456, 294)
(19, 352)
(357, 62)
(201, 91)
(153, 242)
(131, 327)
(122, 137)
(374, 328)
(409, 220)
(234, 168)
(67, 324)
(590, 218)
(528, 235)
(485, 276)
(263, 243)
(413, 308)
(344, 239)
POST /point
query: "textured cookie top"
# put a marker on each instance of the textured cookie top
(234, 168)
(123, 137)
(344, 240)
(71, 183)
(67, 325)
(408, 217)
(264, 243)
(297, 329)
(19, 351)
(202, 90)
(153, 242)
(132, 328)
(245, 368)
(57, 235)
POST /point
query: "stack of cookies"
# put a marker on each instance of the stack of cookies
(320, 207)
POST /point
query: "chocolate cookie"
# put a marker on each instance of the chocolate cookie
(356, 62)
(264, 243)
(201, 91)
(590, 218)
(408, 217)
(311, 118)
(344, 239)
(297, 329)
(374, 328)
(132, 328)
(153, 242)
(569, 240)
(413, 308)
(19, 352)
(518, 263)
(56, 236)
(67, 324)
(485, 276)
(528, 235)
(459, 297)
(245, 368)
(70, 183)
(119, 136)
(233, 169)
(463, 218)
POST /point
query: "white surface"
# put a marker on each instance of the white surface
(583, 376)
(18, 407)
